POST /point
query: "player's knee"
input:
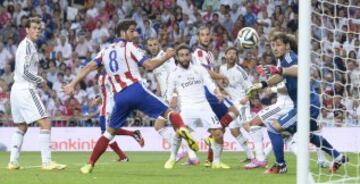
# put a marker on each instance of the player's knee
(277, 126)
(234, 110)
(235, 132)
(217, 134)
(256, 121)
(23, 127)
(159, 124)
(44, 123)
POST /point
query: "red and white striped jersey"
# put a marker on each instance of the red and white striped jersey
(105, 92)
(203, 57)
(121, 61)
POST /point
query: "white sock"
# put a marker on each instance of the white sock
(166, 134)
(243, 143)
(16, 143)
(292, 145)
(217, 149)
(321, 155)
(191, 153)
(257, 136)
(45, 147)
(175, 145)
(268, 150)
(107, 135)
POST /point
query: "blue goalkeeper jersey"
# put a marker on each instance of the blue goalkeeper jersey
(287, 61)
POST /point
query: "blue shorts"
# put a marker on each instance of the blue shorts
(220, 109)
(289, 120)
(135, 97)
(102, 124)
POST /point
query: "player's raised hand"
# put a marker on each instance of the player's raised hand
(265, 70)
(170, 52)
(68, 89)
(254, 88)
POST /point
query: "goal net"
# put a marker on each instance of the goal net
(335, 72)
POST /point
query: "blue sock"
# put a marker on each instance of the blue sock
(278, 146)
(102, 124)
(323, 144)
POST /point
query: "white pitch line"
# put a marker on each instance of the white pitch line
(72, 165)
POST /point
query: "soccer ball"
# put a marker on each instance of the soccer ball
(247, 38)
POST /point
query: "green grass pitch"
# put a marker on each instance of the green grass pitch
(147, 168)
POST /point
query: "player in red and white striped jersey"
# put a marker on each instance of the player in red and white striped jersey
(121, 61)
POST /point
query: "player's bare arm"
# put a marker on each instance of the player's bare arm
(70, 88)
(156, 62)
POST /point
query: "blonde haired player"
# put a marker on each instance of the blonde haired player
(26, 105)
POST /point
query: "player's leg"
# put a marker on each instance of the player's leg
(164, 132)
(18, 136)
(236, 133)
(112, 144)
(135, 134)
(16, 144)
(217, 148)
(154, 107)
(45, 146)
(322, 143)
(275, 129)
(175, 145)
(124, 102)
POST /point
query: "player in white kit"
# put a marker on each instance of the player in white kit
(188, 81)
(202, 56)
(161, 75)
(26, 105)
(238, 84)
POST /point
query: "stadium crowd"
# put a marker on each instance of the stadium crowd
(74, 31)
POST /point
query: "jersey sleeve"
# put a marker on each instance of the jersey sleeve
(207, 79)
(29, 58)
(244, 79)
(99, 58)
(171, 86)
(199, 58)
(137, 54)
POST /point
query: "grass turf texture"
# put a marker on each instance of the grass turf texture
(146, 167)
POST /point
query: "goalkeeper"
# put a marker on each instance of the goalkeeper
(286, 124)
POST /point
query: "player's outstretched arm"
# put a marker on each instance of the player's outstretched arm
(153, 63)
(70, 88)
(291, 71)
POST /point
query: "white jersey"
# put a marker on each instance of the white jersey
(26, 66)
(203, 57)
(238, 81)
(283, 100)
(121, 60)
(162, 72)
(189, 85)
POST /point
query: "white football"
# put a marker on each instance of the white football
(247, 38)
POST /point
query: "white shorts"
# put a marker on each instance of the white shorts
(273, 112)
(26, 106)
(244, 116)
(200, 116)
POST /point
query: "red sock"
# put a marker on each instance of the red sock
(176, 120)
(210, 155)
(226, 120)
(115, 147)
(124, 132)
(99, 149)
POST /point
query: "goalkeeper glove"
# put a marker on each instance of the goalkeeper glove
(256, 87)
(269, 70)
